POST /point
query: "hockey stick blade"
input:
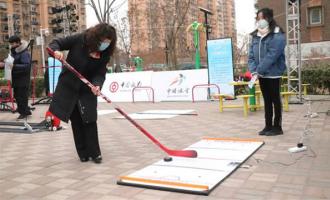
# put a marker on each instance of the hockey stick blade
(179, 153)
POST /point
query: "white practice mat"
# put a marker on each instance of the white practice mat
(158, 114)
(105, 112)
(169, 112)
(217, 159)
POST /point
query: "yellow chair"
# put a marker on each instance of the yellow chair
(286, 96)
(245, 103)
(258, 96)
(221, 97)
(305, 88)
(284, 87)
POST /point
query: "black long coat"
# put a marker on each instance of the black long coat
(70, 91)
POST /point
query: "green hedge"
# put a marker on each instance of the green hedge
(39, 86)
(318, 77)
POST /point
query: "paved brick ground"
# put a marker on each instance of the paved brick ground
(45, 165)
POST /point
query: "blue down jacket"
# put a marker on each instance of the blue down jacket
(22, 66)
(266, 54)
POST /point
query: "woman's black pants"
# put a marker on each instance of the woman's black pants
(85, 136)
(270, 88)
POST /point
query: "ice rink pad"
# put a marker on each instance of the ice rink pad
(158, 114)
(106, 112)
(217, 159)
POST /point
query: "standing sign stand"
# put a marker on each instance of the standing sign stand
(54, 69)
(220, 64)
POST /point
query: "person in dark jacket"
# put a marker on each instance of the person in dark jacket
(89, 53)
(267, 61)
(21, 74)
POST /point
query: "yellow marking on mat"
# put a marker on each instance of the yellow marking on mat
(169, 183)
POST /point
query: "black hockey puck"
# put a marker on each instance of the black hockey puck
(168, 159)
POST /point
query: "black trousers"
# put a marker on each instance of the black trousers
(21, 94)
(85, 136)
(270, 89)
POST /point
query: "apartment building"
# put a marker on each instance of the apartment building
(315, 26)
(31, 19)
(150, 23)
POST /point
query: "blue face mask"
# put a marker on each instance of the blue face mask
(103, 46)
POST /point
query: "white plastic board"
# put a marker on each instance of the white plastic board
(157, 114)
(217, 159)
(139, 116)
(168, 112)
(105, 112)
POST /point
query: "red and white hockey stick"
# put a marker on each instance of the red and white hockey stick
(171, 152)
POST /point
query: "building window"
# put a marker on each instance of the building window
(315, 16)
(3, 6)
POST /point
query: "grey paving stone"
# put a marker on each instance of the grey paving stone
(45, 165)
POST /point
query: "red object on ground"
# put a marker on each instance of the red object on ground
(7, 97)
(53, 123)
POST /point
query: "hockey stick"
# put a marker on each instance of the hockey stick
(171, 152)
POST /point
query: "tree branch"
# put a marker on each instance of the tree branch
(92, 4)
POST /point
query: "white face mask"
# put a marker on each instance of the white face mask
(262, 24)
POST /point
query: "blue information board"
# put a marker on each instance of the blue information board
(54, 70)
(220, 64)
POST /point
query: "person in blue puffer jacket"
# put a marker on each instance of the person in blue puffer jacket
(267, 61)
(20, 74)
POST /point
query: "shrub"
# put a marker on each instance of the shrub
(318, 77)
(39, 86)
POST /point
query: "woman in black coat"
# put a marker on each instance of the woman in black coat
(89, 53)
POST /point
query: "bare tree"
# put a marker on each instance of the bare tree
(241, 51)
(134, 15)
(123, 35)
(102, 10)
(163, 25)
(175, 12)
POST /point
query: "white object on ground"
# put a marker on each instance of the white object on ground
(28, 127)
(105, 112)
(297, 149)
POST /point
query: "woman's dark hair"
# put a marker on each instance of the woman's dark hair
(268, 15)
(96, 34)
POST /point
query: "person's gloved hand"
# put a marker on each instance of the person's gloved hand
(96, 90)
(58, 55)
(253, 80)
